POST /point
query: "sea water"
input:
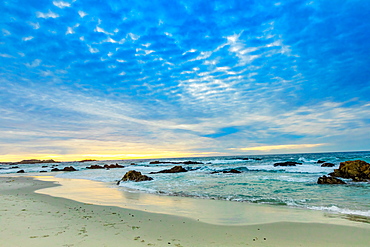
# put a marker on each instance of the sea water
(259, 181)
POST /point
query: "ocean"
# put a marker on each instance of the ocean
(259, 181)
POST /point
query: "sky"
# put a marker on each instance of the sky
(112, 79)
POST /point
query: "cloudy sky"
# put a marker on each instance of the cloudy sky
(119, 79)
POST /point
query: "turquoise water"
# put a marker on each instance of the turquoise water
(258, 182)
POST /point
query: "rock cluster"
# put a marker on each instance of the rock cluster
(227, 171)
(327, 165)
(175, 169)
(176, 163)
(357, 170)
(134, 176)
(329, 180)
(66, 169)
(105, 166)
(287, 163)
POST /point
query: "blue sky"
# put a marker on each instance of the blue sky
(139, 79)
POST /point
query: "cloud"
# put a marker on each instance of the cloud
(49, 14)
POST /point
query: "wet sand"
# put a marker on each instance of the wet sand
(39, 219)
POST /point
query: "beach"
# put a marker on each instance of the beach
(40, 219)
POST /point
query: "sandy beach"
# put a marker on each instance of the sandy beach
(47, 218)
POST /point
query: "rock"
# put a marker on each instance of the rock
(329, 180)
(35, 161)
(87, 160)
(320, 161)
(113, 166)
(287, 163)
(232, 171)
(328, 165)
(175, 169)
(176, 163)
(94, 167)
(43, 171)
(20, 171)
(358, 170)
(134, 176)
(66, 169)
(133, 164)
(44, 166)
(14, 167)
(69, 169)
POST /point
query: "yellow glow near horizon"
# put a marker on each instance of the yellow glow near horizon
(275, 147)
(78, 157)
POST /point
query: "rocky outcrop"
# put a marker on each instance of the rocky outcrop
(65, 169)
(329, 180)
(134, 176)
(328, 165)
(287, 163)
(175, 169)
(20, 171)
(35, 161)
(358, 170)
(175, 163)
(113, 166)
(87, 160)
(227, 171)
(320, 161)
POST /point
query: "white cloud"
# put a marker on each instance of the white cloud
(27, 38)
(82, 14)
(35, 63)
(47, 15)
(61, 4)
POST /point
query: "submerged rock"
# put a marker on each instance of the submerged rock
(66, 169)
(20, 171)
(287, 163)
(134, 176)
(358, 170)
(176, 163)
(327, 165)
(320, 161)
(113, 166)
(329, 180)
(175, 169)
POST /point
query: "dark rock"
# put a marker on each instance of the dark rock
(94, 167)
(176, 163)
(35, 161)
(133, 164)
(44, 166)
(257, 158)
(55, 170)
(14, 167)
(328, 165)
(113, 166)
(329, 180)
(175, 169)
(43, 171)
(320, 161)
(287, 163)
(134, 176)
(232, 171)
(69, 169)
(20, 171)
(358, 170)
(87, 160)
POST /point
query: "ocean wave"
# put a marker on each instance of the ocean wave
(335, 209)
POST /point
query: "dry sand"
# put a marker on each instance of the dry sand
(34, 219)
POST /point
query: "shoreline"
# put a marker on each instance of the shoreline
(34, 219)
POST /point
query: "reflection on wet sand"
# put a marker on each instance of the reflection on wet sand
(209, 211)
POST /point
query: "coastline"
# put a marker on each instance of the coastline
(35, 219)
